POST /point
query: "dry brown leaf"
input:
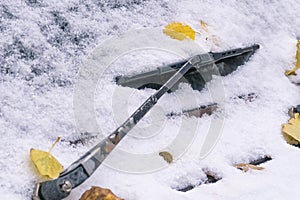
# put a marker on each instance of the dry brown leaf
(245, 167)
(166, 156)
(98, 193)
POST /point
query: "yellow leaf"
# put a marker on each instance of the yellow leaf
(179, 31)
(245, 167)
(46, 164)
(297, 65)
(291, 131)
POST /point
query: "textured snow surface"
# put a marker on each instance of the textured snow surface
(43, 43)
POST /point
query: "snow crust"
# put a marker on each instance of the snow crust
(43, 45)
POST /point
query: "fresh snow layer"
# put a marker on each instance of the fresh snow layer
(43, 45)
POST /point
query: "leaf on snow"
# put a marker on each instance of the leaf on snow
(98, 193)
(297, 65)
(204, 26)
(245, 167)
(46, 164)
(291, 130)
(179, 31)
(208, 33)
(166, 156)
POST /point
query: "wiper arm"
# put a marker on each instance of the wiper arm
(85, 166)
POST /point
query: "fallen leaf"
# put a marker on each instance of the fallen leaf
(166, 156)
(98, 193)
(290, 140)
(245, 167)
(179, 31)
(204, 26)
(208, 33)
(291, 130)
(297, 65)
(46, 164)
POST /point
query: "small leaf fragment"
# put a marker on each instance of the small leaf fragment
(46, 164)
(291, 130)
(179, 31)
(98, 193)
(297, 65)
(204, 26)
(245, 167)
(207, 32)
(166, 156)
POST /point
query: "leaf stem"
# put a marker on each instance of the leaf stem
(56, 141)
